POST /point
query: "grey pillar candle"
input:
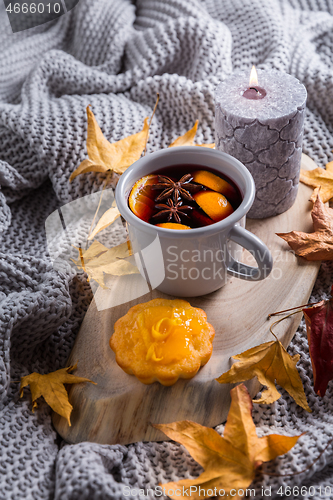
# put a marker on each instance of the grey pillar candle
(264, 133)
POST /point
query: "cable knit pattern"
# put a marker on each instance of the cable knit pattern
(115, 55)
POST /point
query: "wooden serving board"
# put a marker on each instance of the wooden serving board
(120, 408)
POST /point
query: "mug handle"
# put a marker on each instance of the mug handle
(259, 251)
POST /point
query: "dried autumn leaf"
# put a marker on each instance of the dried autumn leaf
(269, 362)
(106, 220)
(51, 387)
(96, 248)
(230, 462)
(85, 255)
(211, 146)
(319, 244)
(110, 265)
(102, 260)
(319, 177)
(319, 326)
(104, 156)
(188, 139)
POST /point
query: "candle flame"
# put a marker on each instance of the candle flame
(253, 77)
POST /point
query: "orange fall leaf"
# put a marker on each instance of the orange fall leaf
(51, 387)
(319, 244)
(269, 362)
(229, 462)
(116, 156)
(319, 177)
(188, 139)
(98, 260)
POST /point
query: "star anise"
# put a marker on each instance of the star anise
(171, 210)
(181, 188)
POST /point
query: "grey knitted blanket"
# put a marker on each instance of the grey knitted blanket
(115, 55)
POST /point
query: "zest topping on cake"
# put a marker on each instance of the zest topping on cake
(162, 340)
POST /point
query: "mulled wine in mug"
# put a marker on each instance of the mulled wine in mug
(185, 208)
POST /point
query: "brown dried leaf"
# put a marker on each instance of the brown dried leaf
(319, 327)
(319, 244)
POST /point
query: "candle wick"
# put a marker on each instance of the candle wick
(253, 88)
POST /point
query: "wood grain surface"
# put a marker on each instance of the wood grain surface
(120, 408)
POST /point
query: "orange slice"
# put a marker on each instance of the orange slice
(172, 225)
(215, 183)
(215, 205)
(141, 198)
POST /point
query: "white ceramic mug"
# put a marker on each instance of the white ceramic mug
(188, 263)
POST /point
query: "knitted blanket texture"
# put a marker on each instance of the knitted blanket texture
(116, 55)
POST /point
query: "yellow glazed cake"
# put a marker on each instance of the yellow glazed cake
(162, 340)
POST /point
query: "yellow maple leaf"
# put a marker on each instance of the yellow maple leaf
(211, 146)
(231, 461)
(268, 362)
(322, 178)
(188, 139)
(95, 249)
(99, 260)
(85, 255)
(106, 220)
(104, 156)
(51, 387)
